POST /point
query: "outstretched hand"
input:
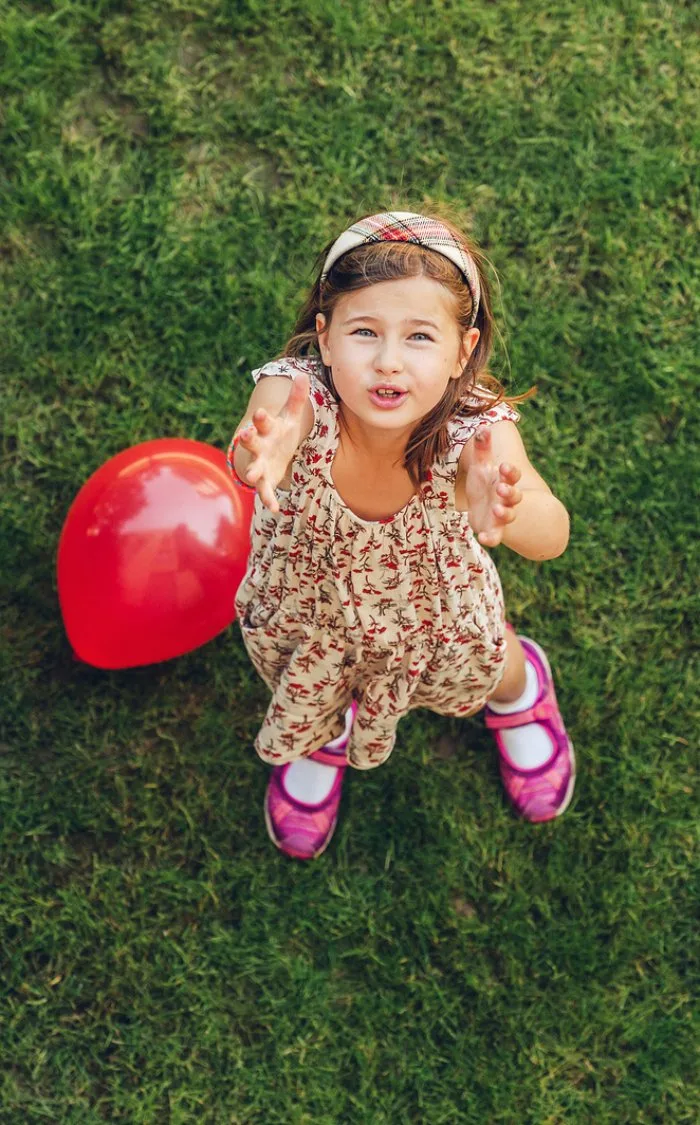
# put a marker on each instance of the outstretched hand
(272, 441)
(491, 492)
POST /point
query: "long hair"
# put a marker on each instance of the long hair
(474, 392)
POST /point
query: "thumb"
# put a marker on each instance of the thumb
(482, 441)
(297, 396)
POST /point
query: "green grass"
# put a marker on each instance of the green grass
(170, 171)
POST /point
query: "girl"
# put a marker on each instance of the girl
(386, 460)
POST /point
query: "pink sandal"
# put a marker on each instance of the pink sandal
(300, 830)
(542, 793)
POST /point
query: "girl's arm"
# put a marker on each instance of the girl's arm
(540, 529)
(508, 501)
(274, 398)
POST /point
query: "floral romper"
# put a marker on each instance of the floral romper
(396, 613)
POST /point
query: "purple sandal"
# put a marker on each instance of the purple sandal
(542, 793)
(300, 830)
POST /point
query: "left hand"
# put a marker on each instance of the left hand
(491, 492)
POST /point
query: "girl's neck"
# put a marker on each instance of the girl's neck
(379, 447)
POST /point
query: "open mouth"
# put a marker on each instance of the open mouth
(387, 398)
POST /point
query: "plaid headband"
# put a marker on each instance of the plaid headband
(405, 226)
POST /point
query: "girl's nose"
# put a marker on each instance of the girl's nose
(388, 358)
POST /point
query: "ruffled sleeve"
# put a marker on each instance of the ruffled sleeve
(290, 367)
(464, 428)
(321, 398)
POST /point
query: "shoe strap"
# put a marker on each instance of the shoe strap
(542, 712)
(335, 756)
(329, 757)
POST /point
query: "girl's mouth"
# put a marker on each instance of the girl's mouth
(387, 401)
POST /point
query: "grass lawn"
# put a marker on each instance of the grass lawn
(170, 170)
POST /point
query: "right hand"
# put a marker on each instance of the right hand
(273, 440)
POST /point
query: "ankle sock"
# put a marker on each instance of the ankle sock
(308, 781)
(527, 698)
(311, 782)
(530, 745)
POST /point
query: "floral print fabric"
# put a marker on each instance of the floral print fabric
(398, 613)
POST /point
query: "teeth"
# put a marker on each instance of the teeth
(388, 394)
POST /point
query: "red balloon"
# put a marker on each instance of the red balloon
(152, 552)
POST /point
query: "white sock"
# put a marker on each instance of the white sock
(530, 745)
(309, 781)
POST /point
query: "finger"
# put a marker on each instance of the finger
(502, 514)
(268, 497)
(510, 472)
(298, 395)
(256, 469)
(247, 436)
(482, 441)
(509, 495)
(263, 421)
(490, 538)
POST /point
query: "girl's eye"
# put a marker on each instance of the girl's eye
(424, 334)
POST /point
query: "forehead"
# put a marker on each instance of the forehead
(401, 299)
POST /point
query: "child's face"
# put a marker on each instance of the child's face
(372, 341)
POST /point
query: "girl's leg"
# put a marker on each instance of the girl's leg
(302, 798)
(529, 745)
(513, 681)
(312, 781)
(536, 758)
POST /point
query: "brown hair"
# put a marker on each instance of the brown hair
(389, 261)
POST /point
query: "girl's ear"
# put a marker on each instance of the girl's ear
(469, 341)
(322, 332)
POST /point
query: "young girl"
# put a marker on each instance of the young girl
(386, 460)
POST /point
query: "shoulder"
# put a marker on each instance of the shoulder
(289, 367)
(506, 445)
(462, 427)
(320, 405)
